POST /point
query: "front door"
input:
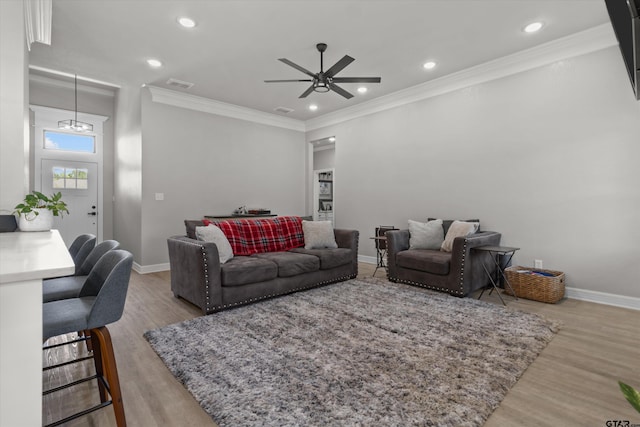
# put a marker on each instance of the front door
(78, 183)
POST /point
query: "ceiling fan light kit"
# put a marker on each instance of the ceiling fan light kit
(325, 81)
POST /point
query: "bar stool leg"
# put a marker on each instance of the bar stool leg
(102, 345)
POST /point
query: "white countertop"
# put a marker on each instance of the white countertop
(33, 255)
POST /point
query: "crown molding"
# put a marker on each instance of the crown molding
(48, 81)
(37, 21)
(577, 44)
(206, 105)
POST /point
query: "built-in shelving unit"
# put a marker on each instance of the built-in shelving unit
(323, 191)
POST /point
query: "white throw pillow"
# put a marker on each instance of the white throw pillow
(318, 235)
(458, 229)
(426, 235)
(212, 233)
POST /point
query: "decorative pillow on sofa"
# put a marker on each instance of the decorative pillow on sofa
(211, 233)
(318, 235)
(458, 229)
(426, 235)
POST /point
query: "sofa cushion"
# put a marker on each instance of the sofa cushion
(430, 261)
(191, 224)
(426, 235)
(329, 258)
(242, 270)
(212, 233)
(291, 264)
(318, 235)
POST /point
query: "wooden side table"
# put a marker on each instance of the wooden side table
(497, 252)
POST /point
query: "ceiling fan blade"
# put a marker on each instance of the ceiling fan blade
(356, 79)
(281, 81)
(297, 67)
(338, 89)
(338, 66)
(306, 92)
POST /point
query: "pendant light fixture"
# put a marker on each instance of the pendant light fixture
(74, 124)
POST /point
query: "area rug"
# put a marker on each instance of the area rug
(358, 353)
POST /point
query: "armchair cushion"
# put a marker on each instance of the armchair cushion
(430, 261)
(458, 229)
(426, 235)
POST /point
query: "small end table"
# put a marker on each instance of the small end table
(381, 252)
(497, 252)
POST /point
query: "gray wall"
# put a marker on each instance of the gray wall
(55, 96)
(324, 159)
(548, 157)
(206, 164)
(127, 221)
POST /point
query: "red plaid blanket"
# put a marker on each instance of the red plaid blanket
(252, 236)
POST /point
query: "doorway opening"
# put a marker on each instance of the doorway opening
(324, 181)
(72, 164)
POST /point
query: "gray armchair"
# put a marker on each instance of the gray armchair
(458, 272)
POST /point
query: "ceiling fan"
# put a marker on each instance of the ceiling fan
(324, 81)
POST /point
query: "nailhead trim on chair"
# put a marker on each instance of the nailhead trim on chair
(459, 292)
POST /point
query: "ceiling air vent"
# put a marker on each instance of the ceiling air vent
(179, 83)
(283, 110)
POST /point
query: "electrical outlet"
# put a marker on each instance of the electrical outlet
(537, 263)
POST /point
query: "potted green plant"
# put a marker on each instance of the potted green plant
(37, 211)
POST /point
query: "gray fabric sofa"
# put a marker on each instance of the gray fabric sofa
(198, 277)
(459, 272)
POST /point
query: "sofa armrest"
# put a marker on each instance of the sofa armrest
(195, 272)
(349, 239)
(467, 264)
(397, 241)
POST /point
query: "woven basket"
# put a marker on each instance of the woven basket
(549, 289)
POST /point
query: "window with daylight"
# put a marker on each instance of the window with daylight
(69, 142)
(70, 178)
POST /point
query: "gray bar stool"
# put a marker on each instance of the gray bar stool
(82, 249)
(100, 302)
(70, 286)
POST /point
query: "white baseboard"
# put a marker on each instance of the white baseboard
(367, 259)
(144, 269)
(603, 298)
(574, 293)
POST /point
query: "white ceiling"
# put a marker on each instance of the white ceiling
(236, 44)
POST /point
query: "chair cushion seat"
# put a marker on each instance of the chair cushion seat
(62, 288)
(242, 270)
(329, 258)
(431, 261)
(290, 263)
(65, 316)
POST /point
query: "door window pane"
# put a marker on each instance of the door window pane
(69, 142)
(70, 178)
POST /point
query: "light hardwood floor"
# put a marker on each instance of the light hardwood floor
(572, 383)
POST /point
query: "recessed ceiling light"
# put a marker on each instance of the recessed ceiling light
(362, 89)
(533, 27)
(332, 139)
(154, 63)
(429, 65)
(186, 22)
(313, 107)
